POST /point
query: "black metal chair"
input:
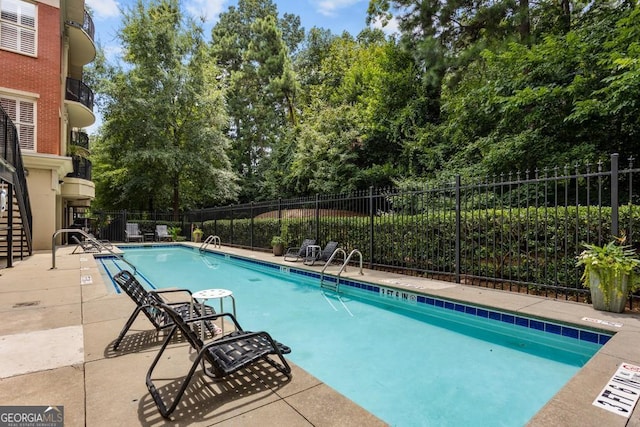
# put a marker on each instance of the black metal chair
(323, 255)
(91, 245)
(220, 357)
(87, 246)
(146, 302)
(298, 253)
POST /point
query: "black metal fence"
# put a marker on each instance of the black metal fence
(519, 231)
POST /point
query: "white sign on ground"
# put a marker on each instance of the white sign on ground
(621, 392)
(603, 322)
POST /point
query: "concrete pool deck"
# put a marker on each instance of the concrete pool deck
(57, 327)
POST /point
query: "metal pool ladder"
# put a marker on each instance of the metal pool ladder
(334, 286)
(211, 239)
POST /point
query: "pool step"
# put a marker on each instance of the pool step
(332, 286)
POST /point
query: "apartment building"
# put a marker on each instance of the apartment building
(44, 46)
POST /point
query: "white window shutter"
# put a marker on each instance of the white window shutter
(8, 36)
(22, 114)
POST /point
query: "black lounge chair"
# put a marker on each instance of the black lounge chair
(146, 303)
(87, 246)
(323, 255)
(91, 245)
(298, 253)
(219, 357)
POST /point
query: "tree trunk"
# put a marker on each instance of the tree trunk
(525, 23)
(176, 197)
(565, 6)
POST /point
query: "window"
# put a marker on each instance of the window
(18, 26)
(22, 113)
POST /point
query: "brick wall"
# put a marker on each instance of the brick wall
(40, 75)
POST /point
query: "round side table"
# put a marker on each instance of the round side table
(206, 294)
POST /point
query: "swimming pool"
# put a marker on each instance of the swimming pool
(407, 358)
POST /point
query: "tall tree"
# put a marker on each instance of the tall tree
(570, 97)
(252, 46)
(162, 144)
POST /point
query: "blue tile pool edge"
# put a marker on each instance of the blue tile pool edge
(416, 299)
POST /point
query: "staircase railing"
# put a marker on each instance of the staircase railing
(13, 173)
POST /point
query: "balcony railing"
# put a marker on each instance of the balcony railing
(81, 168)
(79, 92)
(80, 139)
(87, 25)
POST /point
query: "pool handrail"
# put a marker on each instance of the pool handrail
(333, 255)
(215, 239)
(343, 267)
(87, 236)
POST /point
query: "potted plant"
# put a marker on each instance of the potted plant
(175, 234)
(196, 234)
(610, 271)
(277, 244)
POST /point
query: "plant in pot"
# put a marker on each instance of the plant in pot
(174, 232)
(610, 271)
(277, 244)
(196, 234)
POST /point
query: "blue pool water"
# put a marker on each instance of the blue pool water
(412, 361)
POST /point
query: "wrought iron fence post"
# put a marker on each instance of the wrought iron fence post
(317, 236)
(458, 220)
(279, 215)
(251, 226)
(614, 195)
(124, 225)
(371, 228)
(231, 227)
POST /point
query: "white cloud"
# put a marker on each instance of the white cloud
(113, 52)
(104, 8)
(207, 9)
(330, 7)
(390, 28)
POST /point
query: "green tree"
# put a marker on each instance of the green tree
(608, 96)
(161, 145)
(569, 97)
(308, 61)
(252, 46)
(325, 155)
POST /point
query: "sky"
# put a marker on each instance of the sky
(335, 15)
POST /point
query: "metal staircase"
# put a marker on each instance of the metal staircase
(15, 215)
(12, 231)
